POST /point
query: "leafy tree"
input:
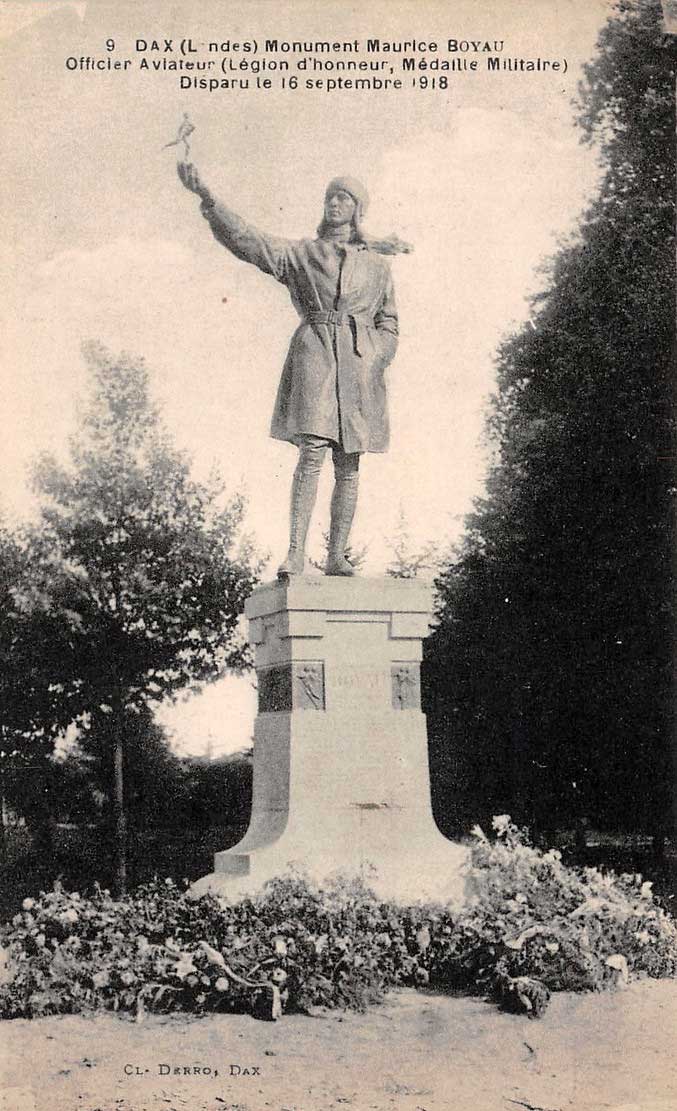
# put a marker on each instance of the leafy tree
(218, 791)
(549, 679)
(72, 783)
(9, 560)
(408, 559)
(155, 784)
(27, 727)
(145, 572)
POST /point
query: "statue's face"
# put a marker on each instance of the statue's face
(339, 209)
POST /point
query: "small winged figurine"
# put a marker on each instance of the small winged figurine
(186, 128)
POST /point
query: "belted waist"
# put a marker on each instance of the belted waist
(356, 322)
(331, 316)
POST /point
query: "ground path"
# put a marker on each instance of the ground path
(416, 1052)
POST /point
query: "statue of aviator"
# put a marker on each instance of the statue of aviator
(332, 392)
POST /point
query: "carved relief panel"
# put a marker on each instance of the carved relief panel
(406, 686)
(291, 686)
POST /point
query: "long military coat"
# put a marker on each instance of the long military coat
(332, 382)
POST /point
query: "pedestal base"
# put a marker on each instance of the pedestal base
(341, 781)
(403, 880)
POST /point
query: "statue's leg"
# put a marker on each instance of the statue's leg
(343, 503)
(303, 494)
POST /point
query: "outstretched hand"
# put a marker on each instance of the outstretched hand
(190, 178)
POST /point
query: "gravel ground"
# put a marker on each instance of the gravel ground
(416, 1052)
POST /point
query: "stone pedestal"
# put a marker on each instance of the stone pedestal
(341, 779)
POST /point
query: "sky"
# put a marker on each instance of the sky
(485, 178)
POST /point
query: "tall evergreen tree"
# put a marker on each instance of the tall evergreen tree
(549, 680)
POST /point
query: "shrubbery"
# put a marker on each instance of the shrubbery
(298, 945)
(574, 929)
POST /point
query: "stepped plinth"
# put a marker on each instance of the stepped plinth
(341, 773)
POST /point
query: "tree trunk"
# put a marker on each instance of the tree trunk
(119, 816)
(43, 833)
(3, 821)
(3, 799)
(36, 803)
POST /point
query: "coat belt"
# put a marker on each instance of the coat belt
(356, 321)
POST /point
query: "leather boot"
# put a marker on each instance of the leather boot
(343, 503)
(303, 495)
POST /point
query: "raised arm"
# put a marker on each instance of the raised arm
(269, 252)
